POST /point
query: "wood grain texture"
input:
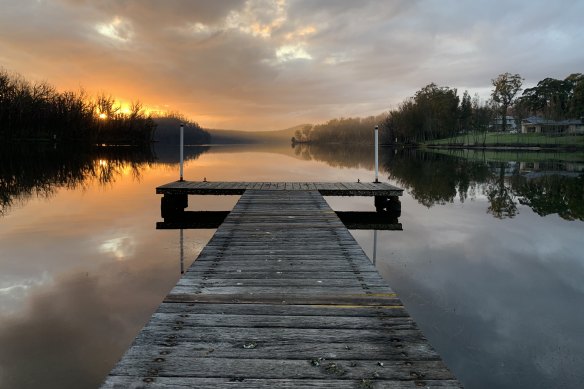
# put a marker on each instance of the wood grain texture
(282, 296)
(115, 382)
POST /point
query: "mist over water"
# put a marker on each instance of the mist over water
(489, 262)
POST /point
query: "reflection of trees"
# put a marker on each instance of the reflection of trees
(338, 155)
(433, 178)
(169, 154)
(502, 204)
(436, 179)
(552, 194)
(38, 169)
(430, 178)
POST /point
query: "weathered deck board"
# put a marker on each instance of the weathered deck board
(254, 383)
(282, 296)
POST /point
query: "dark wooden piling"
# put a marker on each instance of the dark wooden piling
(282, 296)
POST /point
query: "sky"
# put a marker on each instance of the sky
(273, 64)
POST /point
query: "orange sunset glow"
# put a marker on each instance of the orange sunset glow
(271, 64)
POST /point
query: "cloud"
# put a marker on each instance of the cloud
(265, 64)
(118, 29)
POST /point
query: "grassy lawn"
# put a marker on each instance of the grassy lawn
(498, 139)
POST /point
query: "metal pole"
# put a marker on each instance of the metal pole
(374, 246)
(182, 141)
(376, 154)
(182, 253)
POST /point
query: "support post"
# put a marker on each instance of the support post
(389, 204)
(182, 141)
(172, 206)
(376, 154)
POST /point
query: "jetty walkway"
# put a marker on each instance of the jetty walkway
(282, 296)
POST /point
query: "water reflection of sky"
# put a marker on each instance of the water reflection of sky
(81, 272)
(499, 299)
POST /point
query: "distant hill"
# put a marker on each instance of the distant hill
(252, 137)
(168, 131)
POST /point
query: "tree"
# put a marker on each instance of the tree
(549, 98)
(306, 132)
(465, 112)
(576, 105)
(506, 87)
(431, 114)
(438, 110)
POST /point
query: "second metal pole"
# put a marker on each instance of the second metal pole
(182, 252)
(376, 153)
(182, 140)
(374, 246)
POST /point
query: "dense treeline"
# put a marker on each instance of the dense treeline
(437, 112)
(37, 111)
(554, 99)
(434, 112)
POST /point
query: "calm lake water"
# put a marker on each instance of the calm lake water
(490, 262)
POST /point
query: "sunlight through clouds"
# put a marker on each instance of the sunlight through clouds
(290, 52)
(118, 29)
(301, 33)
(201, 29)
(259, 18)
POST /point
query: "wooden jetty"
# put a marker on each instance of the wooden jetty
(282, 296)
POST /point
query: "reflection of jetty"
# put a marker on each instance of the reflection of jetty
(281, 296)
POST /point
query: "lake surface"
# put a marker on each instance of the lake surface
(490, 262)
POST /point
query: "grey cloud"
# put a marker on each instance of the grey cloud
(168, 12)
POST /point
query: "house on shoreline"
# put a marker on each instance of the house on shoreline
(497, 123)
(536, 124)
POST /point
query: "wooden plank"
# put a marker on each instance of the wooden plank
(173, 335)
(413, 348)
(224, 320)
(281, 282)
(345, 310)
(283, 369)
(288, 274)
(258, 290)
(115, 382)
(298, 298)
